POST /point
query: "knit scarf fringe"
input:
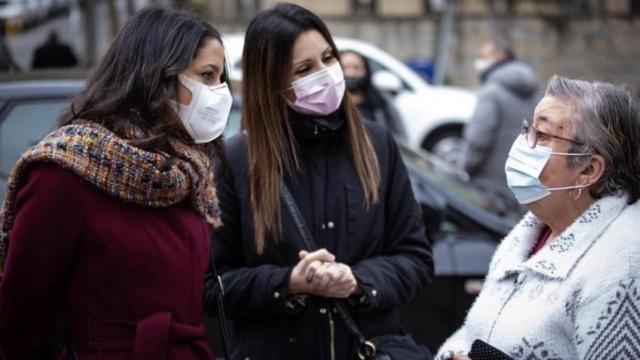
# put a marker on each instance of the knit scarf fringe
(119, 169)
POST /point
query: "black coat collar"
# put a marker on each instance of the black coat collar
(317, 127)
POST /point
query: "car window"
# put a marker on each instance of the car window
(234, 122)
(24, 125)
(465, 198)
(237, 67)
(3, 188)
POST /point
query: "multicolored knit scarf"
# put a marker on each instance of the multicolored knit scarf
(119, 169)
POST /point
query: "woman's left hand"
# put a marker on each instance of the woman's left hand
(331, 279)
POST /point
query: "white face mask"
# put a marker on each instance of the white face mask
(481, 65)
(320, 93)
(523, 168)
(205, 117)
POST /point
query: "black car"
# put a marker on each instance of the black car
(463, 224)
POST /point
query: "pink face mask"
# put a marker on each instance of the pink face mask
(319, 93)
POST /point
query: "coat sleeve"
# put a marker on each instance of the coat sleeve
(249, 291)
(406, 263)
(479, 134)
(45, 233)
(607, 325)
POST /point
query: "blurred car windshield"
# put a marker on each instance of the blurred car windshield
(459, 194)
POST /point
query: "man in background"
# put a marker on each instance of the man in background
(508, 94)
(54, 54)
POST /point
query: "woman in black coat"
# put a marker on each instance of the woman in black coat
(373, 104)
(352, 189)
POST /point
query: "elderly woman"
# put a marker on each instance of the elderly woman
(564, 284)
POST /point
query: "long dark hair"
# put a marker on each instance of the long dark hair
(136, 79)
(266, 63)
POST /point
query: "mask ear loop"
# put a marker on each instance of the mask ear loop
(283, 94)
(576, 197)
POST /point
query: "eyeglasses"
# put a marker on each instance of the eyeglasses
(532, 135)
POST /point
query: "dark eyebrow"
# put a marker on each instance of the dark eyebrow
(328, 49)
(300, 62)
(543, 118)
(215, 67)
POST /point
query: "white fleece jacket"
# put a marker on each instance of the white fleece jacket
(577, 298)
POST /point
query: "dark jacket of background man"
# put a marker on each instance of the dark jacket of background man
(54, 54)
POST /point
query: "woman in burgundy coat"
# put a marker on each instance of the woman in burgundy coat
(107, 220)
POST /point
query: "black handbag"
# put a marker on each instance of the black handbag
(385, 347)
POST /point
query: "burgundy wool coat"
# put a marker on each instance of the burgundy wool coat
(127, 279)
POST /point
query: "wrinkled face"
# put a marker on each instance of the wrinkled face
(353, 65)
(553, 116)
(206, 68)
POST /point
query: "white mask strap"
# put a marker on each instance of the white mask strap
(568, 187)
(570, 154)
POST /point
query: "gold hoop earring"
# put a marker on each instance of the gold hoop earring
(575, 198)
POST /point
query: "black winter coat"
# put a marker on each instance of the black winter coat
(386, 247)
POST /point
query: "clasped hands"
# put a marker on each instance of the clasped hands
(317, 273)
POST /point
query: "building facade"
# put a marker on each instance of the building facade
(590, 39)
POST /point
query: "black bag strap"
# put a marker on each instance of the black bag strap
(366, 349)
(222, 319)
(71, 350)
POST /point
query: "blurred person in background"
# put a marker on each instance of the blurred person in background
(108, 219)
(565, 283)
(373, 104)
(53, 54)
(507, 95)
(353, 191)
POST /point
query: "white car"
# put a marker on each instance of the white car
(433, 116)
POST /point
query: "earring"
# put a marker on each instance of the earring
(575, 198)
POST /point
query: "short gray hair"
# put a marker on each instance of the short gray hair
(607, 121)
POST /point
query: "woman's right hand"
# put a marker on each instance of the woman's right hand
(298, 280)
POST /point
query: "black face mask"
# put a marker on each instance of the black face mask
(357, 83)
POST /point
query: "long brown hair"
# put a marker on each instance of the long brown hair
(271, 145)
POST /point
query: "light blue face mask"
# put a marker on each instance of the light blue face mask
(523, 168)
